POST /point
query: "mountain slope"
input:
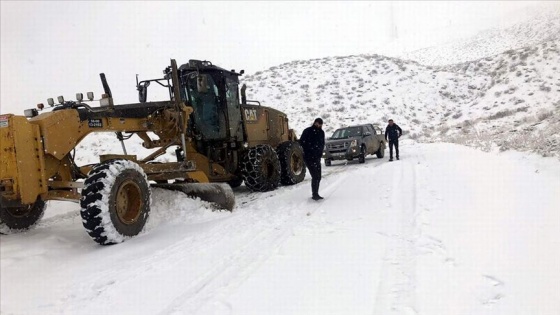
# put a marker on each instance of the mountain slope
(542, 24)
(512, 91)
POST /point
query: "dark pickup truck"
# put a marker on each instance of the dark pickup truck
(355, 142)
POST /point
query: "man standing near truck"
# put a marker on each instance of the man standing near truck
(392, 133)
(313, 142)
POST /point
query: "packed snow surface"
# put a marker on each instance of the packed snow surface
(445, 230)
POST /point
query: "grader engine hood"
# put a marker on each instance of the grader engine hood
(264, 125)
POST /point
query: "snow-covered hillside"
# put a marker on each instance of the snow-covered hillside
(542, 24)
(509, 99)
(446, 230)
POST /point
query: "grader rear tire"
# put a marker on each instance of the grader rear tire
(21, 218)
(115, 201)
(261, 168)
(292, 165)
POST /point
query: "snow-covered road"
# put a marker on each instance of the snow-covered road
(446, 230)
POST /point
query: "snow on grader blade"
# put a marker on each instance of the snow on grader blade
(217, 139)
(220, 195)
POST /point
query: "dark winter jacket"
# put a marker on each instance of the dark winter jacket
(392, 133)
(313, 142)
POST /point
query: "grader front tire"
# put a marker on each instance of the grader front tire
(115, 201)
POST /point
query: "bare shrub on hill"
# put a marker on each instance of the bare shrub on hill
(340, 109)
(517, 101)
(443, 129)
(544, 115)
(500, 114)
(545, 142)
(457, 115)
(545, 88)
(481, 142)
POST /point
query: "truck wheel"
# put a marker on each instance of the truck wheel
(261, 168)
(328, 162)
(21, 218)
(362, 156)
(381, 152)
(292, 166)
(115, 201)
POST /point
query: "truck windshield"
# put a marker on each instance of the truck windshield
(346, 133)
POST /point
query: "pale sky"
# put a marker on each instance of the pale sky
(53, 48)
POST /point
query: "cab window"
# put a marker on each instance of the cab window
(206, 107)
(231, 93)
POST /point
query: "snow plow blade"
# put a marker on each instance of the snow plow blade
(219, 194)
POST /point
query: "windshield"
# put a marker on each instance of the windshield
(346, 133)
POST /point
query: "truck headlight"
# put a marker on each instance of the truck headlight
(354, 143)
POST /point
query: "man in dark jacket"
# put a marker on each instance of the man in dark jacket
(392, 133)
(313, 142)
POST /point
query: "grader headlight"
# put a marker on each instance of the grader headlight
(30, 113)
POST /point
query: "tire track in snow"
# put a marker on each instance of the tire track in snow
(238, 266)
(224, 278)
(396, 289)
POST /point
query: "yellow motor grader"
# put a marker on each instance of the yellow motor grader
(219, 141)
